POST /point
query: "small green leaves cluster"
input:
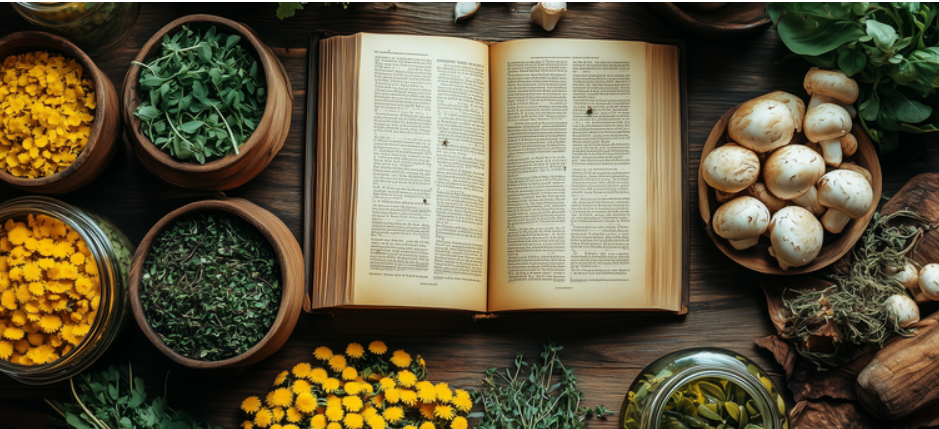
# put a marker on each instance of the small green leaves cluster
(537, 400)
(113, 399)
(202, 97)
(891, 49)
(289, 9)
(211, 286)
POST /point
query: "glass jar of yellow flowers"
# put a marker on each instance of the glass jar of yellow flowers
(96, 27)
(63, 290)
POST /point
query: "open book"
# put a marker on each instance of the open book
(529, 174)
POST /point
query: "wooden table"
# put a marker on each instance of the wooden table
(605, 350)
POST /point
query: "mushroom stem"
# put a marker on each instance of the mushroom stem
(831, 151)
(809, 201)
(834, 221)
(782, 262)
(745, 243)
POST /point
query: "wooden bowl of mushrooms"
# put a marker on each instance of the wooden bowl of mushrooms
(788, 188)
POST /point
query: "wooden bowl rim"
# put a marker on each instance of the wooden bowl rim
(241, 208)
(270, 73)
(97, 76)
(852, 232)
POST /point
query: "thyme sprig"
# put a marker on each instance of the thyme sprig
(855, 302)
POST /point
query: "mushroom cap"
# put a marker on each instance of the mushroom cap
(792, 170)
(741, 217)
(929, 281)
(827, 121)
(846, 191)
(730, 168)
(903, 309)
(762, 124)
(795, 104)
(796, 235)
(833, 83)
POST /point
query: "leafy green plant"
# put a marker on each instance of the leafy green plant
(891, 49)
(114, 399)
(289, 9)
(202, 97)
(534, 401)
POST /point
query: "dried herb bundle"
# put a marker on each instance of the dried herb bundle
(211, 286)
(534, 401)
(855, 303)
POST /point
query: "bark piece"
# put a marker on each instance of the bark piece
(829, 415)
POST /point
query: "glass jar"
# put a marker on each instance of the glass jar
(112, 254)
(95, 27)
(727, 374)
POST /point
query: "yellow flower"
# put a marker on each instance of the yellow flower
(6, 349)
(318, 375)
(368, 411)
(294, 415)
(290, 426)
(318, 422)
(300, 386)
(393, 414)
(247, 425)
(409, 427)
(427, 394)
(32, 272)
(282, 397)
(458, 423)
(428, 425)
(409, 397)
(349, 373)
(278, 414)
(376, 422)
(12, 333)
(42, 354)
(444, 412)
(334, 414)
(427, 410)
(334, 425)
(406, 378)
(353, 388)
(401, 359)
(50, 323)
(377, 347)
(306, 402)
(386, 383)
(352, 403)
(353, 421)
(281, 378)
(322, 353)
(355, 350)
(301, 370)
(462, 400)
(19, 234)
(62, 250)
(263, 418)
(443, 392)
(331, 385)
(392, 396)
(251, 404)
(337, 363)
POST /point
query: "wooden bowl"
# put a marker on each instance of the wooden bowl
(105, 130)
(289, 257)
(255, 154)
(729, 20)
(757, 258)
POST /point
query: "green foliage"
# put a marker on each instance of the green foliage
(891, 49)
(115, 399)
(202, 97)
(211, 286)
(288, 9)
(534, 401)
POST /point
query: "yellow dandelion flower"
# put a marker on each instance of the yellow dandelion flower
(462, 403)
(337, 363)
(393, 414)
(8, 300)
(401, 359)
(77, 259)
(408, 397)
(349, 373)
(426, 394)
(377, 347)
(6, 349)
(443, 392)
(247, 425)
(459, 422)
(354, 388)
(21, 346)
(293, 415)
(31, 244)
(46, 247)
(355, 350)
(392, 396)
(331, 385)
(427, 410)
(352, 403)
(376, 422)
(445, 412)
(282, 397)
(50, 323)
(251, 404)
(62, 305)
(427, 425)
(318, 375)
(368, 388)
(276, 426)
(322, 353)
(19, 234)
(302, 370)
(318, 422)
(13, 333)
(406, 378)
(334, 414)
(36, 338)
(18, 317)
(377, 400)
(333, 401)
(300, 386)
(306, 402)
(334, 425)
(409, 427)
(386, 383)
(263, 418)
(291, 426)
(278, 414)
(32, 272)
(91, 268)
(353, 421)
(280, 379)
(42, 354)
(368, 411)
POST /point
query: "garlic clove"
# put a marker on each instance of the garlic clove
(465, 9)
(547, 14)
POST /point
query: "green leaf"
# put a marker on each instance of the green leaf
(205, 53)
(851, 61)
(191, 127)
(232, 41)
(884, 36)
(814, 37)
(147, 112)
(288, 9)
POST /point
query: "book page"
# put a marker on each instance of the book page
(569, 167)
(421, 215)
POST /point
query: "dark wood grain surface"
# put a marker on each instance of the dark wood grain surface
(605, 350)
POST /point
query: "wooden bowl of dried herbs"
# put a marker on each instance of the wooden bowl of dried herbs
(207, 104)
(217, 283)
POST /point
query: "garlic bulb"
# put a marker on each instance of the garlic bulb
(547, 14)
(465, 9)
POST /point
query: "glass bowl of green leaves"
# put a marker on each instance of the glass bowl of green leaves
(207, 104)
(217, 284)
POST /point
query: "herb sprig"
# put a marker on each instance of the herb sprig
(537, 400)
(891, 49)
(113, 399)
(211, 286)
(202, 97)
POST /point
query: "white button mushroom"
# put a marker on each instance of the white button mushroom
(833, 83)
(795, 104)
(762, 124)
(847, 194)
(741, 221)
(758, 190)
(730, 168)
(858, 169)
(929, 281)
(792, 171)
(826, 124)
(796, 237)
(902, 309)
(908, 277)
